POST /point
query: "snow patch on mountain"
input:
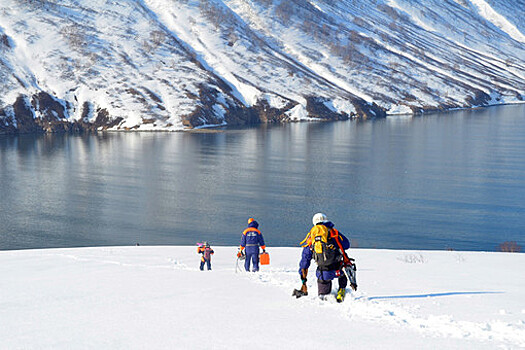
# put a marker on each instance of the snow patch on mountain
(172, 65)
(487, 12)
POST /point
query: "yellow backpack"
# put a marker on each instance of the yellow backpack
(324, 254)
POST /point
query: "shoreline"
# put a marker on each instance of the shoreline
(212, 128)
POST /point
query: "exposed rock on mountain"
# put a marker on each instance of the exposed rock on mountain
(171, 65)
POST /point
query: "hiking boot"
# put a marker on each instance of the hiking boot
(340, 295)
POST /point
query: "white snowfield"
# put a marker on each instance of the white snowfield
(145, 297)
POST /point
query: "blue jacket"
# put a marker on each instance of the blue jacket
(252, 238)
(306, 255)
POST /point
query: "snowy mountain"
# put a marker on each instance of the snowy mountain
(171, 65)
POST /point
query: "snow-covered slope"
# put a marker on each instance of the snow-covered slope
(168, 65)
(156, 298)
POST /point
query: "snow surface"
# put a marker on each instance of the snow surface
(145, 297)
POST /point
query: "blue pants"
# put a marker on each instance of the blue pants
(208, 262)
(254, 257)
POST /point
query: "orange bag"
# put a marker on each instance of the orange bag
(264, 259)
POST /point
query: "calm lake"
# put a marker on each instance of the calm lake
(443, 181)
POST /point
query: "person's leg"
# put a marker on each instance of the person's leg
(255, 262)
(324, 287)
(341, 292)
(247, 262)
(343, 281)
(202, 265)
(208, 262)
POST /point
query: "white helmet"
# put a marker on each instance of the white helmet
(318, 218)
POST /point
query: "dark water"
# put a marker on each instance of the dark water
(454, 180)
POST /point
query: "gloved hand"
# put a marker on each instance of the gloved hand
(304, 273)
(240, 253)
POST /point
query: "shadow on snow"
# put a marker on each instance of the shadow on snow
(428, 295)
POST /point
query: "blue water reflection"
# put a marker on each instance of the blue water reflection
(454, 180)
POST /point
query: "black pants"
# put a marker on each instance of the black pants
(325, 287)
(208, 262)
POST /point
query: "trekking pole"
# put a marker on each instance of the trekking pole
(236, 265)
(239, 257)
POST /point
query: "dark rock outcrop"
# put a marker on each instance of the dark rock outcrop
(43, 113)
(316, 108)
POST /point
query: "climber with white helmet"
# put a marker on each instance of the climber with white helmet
(326, 246)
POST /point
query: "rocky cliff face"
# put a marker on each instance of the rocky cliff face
(172, 65)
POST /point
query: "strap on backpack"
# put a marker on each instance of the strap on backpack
(335, 235)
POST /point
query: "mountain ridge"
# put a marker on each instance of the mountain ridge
(159, 65)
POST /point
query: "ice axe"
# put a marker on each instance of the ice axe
(303, 291)
(349, 270)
